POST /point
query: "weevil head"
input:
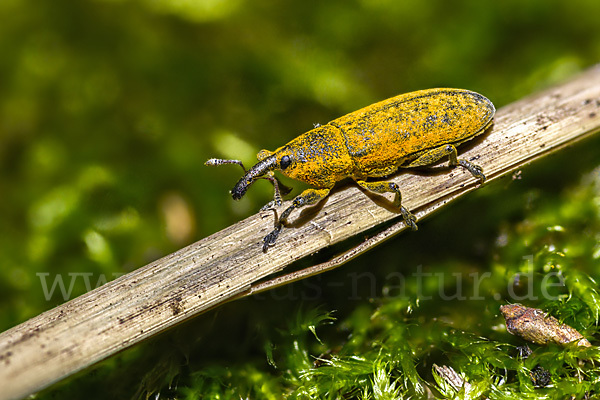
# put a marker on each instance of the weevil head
(318, 157)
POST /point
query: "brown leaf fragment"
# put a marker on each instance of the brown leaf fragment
(535, 325)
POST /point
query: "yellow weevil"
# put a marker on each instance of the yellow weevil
(409, 130)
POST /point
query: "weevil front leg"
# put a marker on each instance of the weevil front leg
(277, 201)
(391, 187)
(306, 198)
(449, 150)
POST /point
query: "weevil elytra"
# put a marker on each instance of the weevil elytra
(410, 130)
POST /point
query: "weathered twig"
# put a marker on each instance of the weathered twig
(230, 263)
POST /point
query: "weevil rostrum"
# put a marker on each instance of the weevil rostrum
(410, 130)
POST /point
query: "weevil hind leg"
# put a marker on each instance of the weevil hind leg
(306, 198)
(381, 187)
(449, 150)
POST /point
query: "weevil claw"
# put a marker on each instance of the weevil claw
(409, 218)
(474, 169)
(269, 240)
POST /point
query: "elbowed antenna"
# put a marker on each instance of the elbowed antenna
(258, 170)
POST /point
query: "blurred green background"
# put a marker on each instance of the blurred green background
(108, 110)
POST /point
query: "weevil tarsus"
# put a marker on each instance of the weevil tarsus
(270, 239)
(474, 169)
(306, 198)
(382, 187)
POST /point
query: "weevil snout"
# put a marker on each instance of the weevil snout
(258, 170)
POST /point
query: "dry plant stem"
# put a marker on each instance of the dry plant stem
(227, 264)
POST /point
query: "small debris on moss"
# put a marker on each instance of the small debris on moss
(540, 376)
(536, 326)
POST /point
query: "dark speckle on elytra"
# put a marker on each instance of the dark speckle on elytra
(592, 115)
(542, 145)
(587, 101)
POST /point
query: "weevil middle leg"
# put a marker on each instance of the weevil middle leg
(449, 150)
(306, 198)
(391, 187)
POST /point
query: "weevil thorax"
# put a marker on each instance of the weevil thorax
(318, 157)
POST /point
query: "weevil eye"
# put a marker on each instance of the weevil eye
(285, 162)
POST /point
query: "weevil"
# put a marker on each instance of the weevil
(410, 130)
